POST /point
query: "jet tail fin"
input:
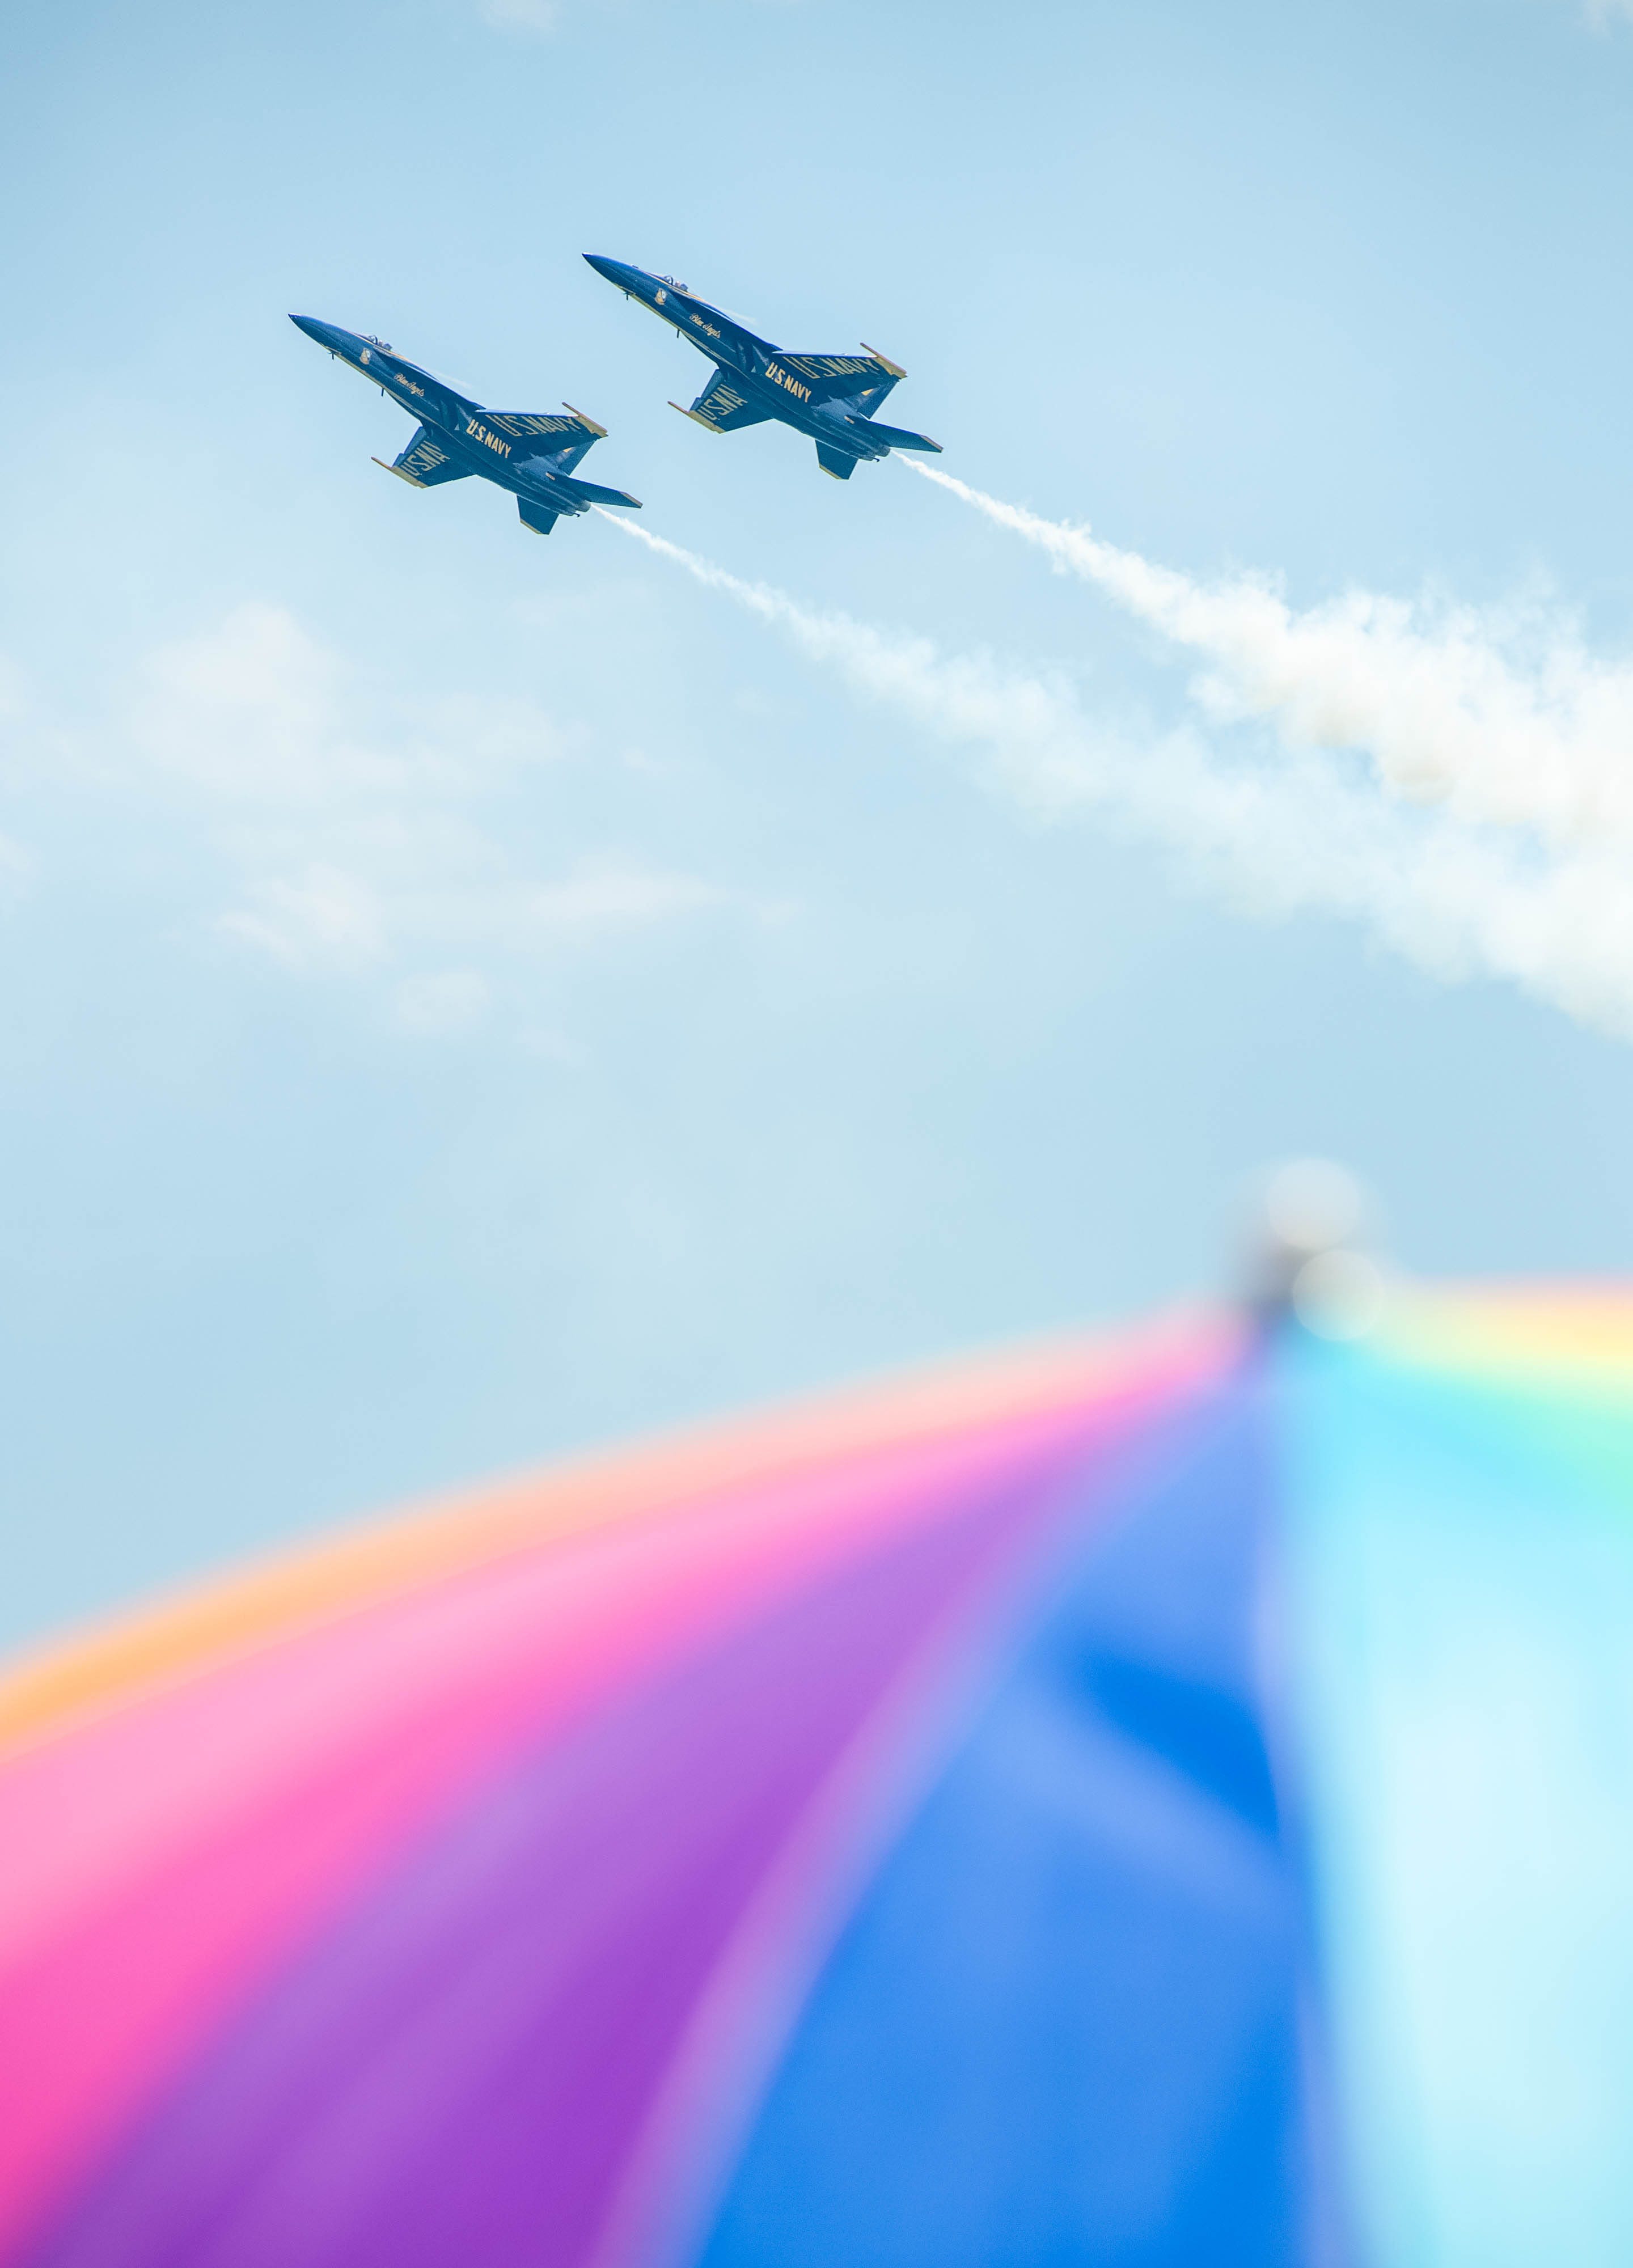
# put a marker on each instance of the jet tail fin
(535, 515)
(839, 464)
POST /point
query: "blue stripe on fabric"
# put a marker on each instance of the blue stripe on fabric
(1063, 2024)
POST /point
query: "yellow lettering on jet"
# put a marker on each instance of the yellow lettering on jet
(782, 378)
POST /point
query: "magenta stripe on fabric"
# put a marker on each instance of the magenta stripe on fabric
(458, 2073)
(172, 1857)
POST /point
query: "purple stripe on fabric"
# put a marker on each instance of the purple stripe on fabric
(456, 2075)
(756, 2001)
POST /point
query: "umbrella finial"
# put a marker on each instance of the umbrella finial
(1307, 1264)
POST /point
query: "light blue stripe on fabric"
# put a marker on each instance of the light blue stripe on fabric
(1462, 1564)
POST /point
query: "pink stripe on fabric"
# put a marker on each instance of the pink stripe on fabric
(180, 1847)
(488, 2020)
(78, 1810)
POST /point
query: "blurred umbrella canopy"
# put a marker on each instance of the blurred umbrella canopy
(1153, 1800)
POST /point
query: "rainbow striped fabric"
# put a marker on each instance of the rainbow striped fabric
(1153, 1802)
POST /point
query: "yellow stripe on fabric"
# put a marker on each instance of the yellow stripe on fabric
(1574, 1336)
(46, 1693)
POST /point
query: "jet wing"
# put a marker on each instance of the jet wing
(564, 441)
(862, 381)
(722, 407)
(425, 463)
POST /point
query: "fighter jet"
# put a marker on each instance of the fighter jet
(532, 456)
(831, 397)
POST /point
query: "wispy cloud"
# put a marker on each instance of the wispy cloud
(533, 19)
(17, 723)
(17, 867)
(1296, 833)
(1599, 15)
(409, 889)
(449, 1000)
(352, 836)
(539, 19)
(319, 919)
(259, 715)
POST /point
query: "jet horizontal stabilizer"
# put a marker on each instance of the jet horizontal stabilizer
(896, 437)
(535, 515)
(837, 463)
(588, 493)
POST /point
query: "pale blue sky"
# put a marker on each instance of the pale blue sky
(465, 996)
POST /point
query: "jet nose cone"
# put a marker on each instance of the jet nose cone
(323, 333)
(616, 271)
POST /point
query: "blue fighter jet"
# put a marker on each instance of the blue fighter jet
(532, 456)
(830, 397)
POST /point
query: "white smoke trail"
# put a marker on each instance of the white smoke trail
(1500, 716)
(1301, 836)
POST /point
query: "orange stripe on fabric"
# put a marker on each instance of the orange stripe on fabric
(177, 1879)
(46, 1694)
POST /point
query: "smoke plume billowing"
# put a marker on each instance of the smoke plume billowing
(1299, 833)
(1498, 715)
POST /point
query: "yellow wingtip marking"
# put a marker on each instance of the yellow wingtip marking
(599, 430)
(401, 476)
(706, 423)
(894, 368)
